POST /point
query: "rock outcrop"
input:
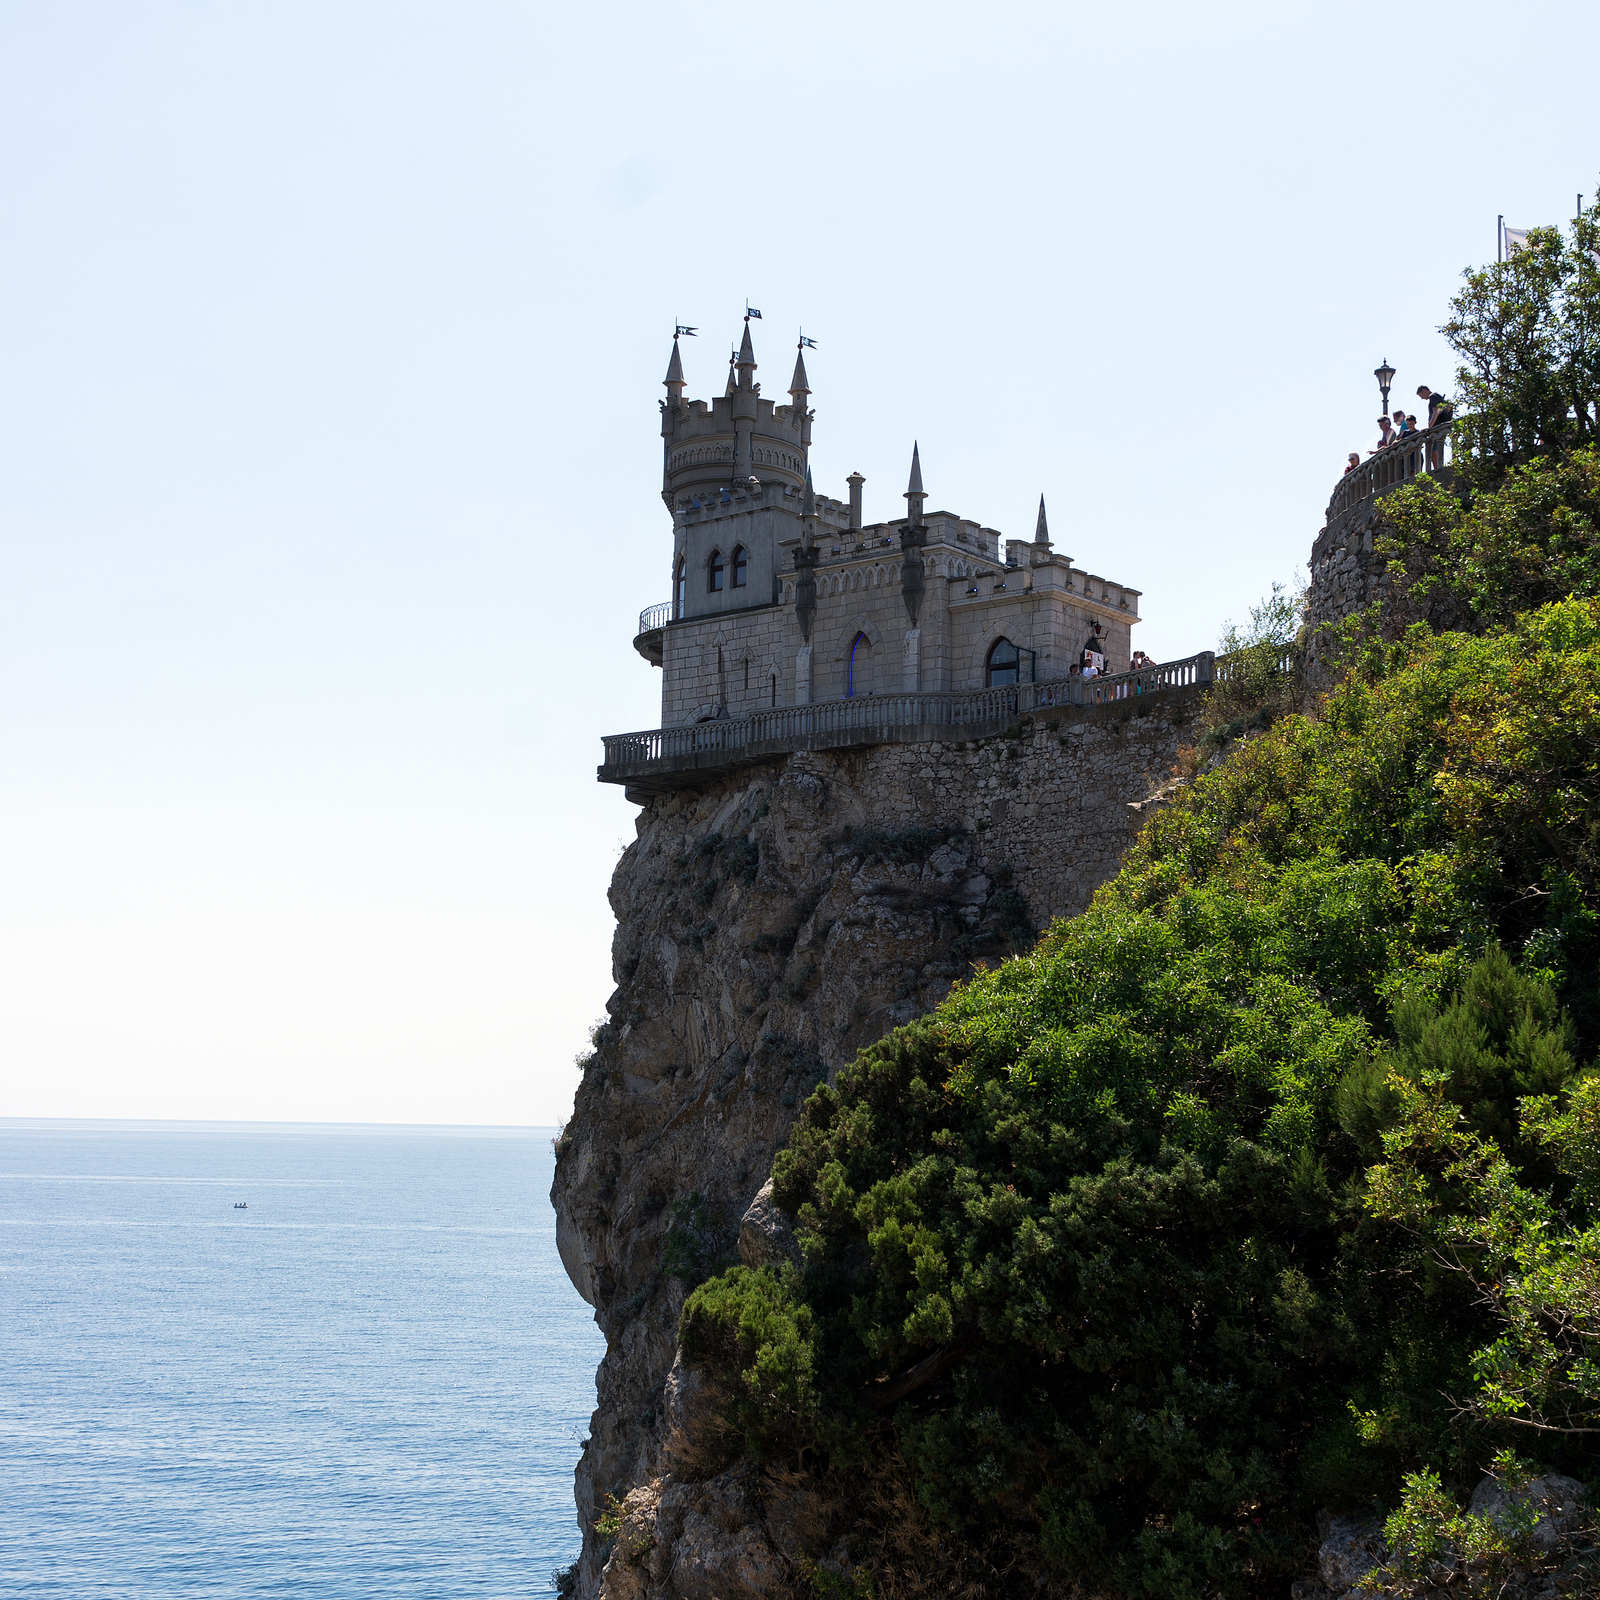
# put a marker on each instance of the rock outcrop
(768, 927)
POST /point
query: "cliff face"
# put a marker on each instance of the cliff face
(768, 927)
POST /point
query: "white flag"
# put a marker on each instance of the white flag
(1516, 239)
(1594, 255)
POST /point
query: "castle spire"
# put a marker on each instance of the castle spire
(799, 384)
(747, 357)
(730, 388)
(1041, 529)
(674, 380)
(808, 500)
(914, 490)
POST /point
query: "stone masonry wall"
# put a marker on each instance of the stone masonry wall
(1346, 577)
(768, 927)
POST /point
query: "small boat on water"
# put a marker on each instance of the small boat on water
(241, 1205)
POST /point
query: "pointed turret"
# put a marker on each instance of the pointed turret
(799, 384)
(914, 491)
(805, 571)
(731, 379)
(1041, 529)
(747, 358)
(674, 380)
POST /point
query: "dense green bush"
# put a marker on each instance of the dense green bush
(1109, 1197)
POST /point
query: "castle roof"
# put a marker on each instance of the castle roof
(799, 383)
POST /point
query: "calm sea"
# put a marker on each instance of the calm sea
(372, 1381)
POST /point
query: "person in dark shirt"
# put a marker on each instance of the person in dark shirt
(1440, 410)
(1439, 406)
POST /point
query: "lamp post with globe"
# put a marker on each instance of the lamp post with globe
(1385, 377)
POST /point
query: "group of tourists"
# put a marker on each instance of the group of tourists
(1404, 425)
(1092, 663)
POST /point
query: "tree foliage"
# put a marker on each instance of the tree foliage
(1527, 331)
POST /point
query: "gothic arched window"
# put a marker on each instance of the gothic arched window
(859, 677)
(1003, 657)
(714, 573)
(680, 588)
(740, 562)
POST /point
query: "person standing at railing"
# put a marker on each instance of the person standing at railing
(1385, 437)
(1440, 410)
(1352, 462)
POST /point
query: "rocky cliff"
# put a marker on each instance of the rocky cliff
(768, 927)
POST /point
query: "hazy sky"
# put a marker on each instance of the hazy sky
(329, 453)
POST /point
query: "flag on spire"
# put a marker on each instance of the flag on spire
(807, 344)
(678, 328)
(750, 311)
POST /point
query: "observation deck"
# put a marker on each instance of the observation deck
(1425, 454)
(660, 760)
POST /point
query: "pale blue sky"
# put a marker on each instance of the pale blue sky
(332, 340)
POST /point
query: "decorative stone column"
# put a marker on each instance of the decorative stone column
(912, 682)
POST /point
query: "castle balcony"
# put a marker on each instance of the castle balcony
(650, 640)
(661, 760)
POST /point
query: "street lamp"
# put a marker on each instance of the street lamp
(1385, 377)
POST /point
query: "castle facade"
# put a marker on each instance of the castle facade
(785, 597)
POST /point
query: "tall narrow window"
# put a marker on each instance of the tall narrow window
(714, 573)
(1002, 664)
(747, 674)
(739, 564)
(774, 690)
(680, 589)
(859, 679)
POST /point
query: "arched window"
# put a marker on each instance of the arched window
(859, 678)
(680, 589)
(739, 564)
(1002, 664)
(714, 573)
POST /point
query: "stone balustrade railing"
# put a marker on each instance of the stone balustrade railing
(1427, 451)
(1229, 666)
(653, 617)
(659, 758)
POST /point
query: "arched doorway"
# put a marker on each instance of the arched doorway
(858, 676)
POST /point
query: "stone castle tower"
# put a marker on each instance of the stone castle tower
(783, 597)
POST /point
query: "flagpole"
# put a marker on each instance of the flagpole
(1499, 238)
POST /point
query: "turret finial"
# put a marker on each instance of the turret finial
(674, 380)
(731, 359)
(808, 500)
(914, 490)
(1041, 529)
